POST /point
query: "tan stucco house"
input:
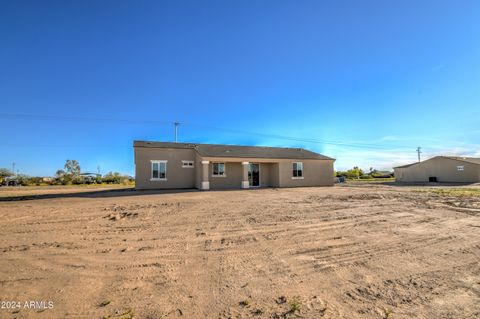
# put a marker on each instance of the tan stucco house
(165, 165)
(442, 169)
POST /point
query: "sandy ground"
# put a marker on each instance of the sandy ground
(358, 251)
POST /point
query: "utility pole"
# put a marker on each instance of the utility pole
(13, 167)
(418, 152)
(176, 124)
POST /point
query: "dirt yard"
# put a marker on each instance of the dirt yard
(358, 251)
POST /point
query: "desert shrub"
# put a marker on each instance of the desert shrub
(365, 176)
(25, 180)
(113, 178)
(295, 305)
(78, 180)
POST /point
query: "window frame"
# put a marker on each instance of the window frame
(297, 170)
(224, 169)
(152, 162)
(186, 164)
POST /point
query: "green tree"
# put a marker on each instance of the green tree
(26, 180)
(61, 177)
(353, 173)
(72, 168)
(4, 173)
(60, 173)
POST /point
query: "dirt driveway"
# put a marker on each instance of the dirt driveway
(341, 252)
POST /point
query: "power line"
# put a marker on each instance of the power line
(298, 139)
(80, 118)
(176, 124)
(66, 145)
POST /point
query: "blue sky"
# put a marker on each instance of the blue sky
(367, 81)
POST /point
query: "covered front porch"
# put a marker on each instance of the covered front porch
(227, 174)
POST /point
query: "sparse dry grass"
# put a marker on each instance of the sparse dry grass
(371, 180)
(295, 304)
(11, 192)
(456, 191)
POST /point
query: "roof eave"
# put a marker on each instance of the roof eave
(273, 158)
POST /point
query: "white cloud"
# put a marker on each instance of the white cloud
(387, 159)
(378, 159)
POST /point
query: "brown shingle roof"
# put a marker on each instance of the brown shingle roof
(162, 144)
(217, 150)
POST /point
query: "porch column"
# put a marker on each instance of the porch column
(245, 183)
(205, 181)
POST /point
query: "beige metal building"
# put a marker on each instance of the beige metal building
(442, 169)
(164, 165)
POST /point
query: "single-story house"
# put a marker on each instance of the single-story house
(163, 165)
(442, 169)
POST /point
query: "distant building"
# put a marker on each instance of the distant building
(382, 174)
(442, 169)
(208, 166)
(89, 178)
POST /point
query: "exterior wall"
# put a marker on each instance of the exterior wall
(444, 169)
(273, 172)
(233, 175)
(315, 173)
(177, 176)
(265, 173)
(198, 171)
(275, 175)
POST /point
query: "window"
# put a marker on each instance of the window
(218, 170)
(187, 164)
(297, 170)
(460, 168)
(159, 170)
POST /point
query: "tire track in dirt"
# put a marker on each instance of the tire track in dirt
(327, 260)
(201, 257)
(281, 276)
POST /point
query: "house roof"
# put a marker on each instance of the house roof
(383, 172)
(408, 165)
(472, 160)
(217, 150)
